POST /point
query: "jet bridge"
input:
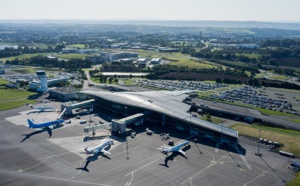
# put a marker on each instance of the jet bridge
(119, 125)
(70, 106)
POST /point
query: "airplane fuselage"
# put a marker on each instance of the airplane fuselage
(100, 147)
(45, 124)
(177, 148)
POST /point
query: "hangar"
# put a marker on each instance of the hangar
(161, 107)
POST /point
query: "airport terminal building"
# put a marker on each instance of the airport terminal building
(165, 108)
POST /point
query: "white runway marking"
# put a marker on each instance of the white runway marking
(51, 178)
(212, 163)
(259, 175)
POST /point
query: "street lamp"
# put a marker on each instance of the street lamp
(126, 134)
(258, 153)
(190, 122)
(222, 132)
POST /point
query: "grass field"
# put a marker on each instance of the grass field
(278, 77)
(76, 46)
(23, 56)
(213, 119)
(296, 181)
(249, 55)
(185, 62)
(272, 112)
(15, 104)
(11, 94)
(3, 81)
(70, 56)
(295, 120)
(290, 142)
(32, 70)
(96, 80)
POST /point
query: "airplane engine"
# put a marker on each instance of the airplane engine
(164, 151)
(87, 150)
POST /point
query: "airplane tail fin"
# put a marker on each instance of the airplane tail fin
(30, 123)
(87, 150)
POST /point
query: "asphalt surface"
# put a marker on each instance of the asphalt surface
(247, 112)
(58, 159)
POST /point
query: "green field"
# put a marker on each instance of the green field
(185, 62)
(11, 94)
(96, 80)
(296, 181)
(32, 70)
(13, 98)
(295, 120)
(290, 142)
(15, 104)
(70, 56)
(278, 77)
(76, 46)
(249, 55)
(3, 81)
(23, 56)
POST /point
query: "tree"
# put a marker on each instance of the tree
(218, 80)
(208, 117)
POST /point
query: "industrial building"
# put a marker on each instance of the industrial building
(107, 57)
(62, 93)
(165, 108)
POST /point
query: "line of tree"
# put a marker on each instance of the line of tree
(10, 51)
(286, 43)
(42, 61)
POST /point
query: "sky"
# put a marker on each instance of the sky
(220, 10)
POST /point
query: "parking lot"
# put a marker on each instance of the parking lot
(60, 158)
(180, 85)
(267, 98)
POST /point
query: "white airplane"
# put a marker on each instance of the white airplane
(166, 150)
(42, 108)
(100, 148)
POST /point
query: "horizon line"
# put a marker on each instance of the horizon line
(159, 20)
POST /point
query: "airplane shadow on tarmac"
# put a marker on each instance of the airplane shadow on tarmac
(174, 154)
(93, 157)
(38, 111)
(27, 136)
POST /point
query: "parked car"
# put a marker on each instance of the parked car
(133, 134)
(82, 121)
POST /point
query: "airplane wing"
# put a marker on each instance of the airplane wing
(95, 151)
(105, 151)
(181, 151)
